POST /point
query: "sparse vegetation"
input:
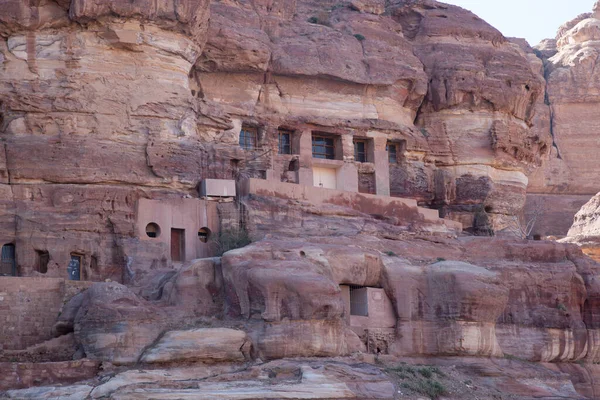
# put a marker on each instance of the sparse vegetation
(232, 239)
(440, 259)
(420, 379)
(391, 253)
(313, 20)
(561, 307)
(359, 37)
(514, 358)
(428, 387)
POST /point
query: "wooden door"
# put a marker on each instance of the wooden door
(177, 244)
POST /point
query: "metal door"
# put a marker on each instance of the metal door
(74, 268)
(177, 244)
(8, 265)
(324, 177)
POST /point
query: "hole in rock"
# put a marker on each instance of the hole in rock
(43, 258)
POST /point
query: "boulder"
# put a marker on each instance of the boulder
(206, 345)
(114, 325)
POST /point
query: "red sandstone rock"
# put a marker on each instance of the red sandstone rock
(585, 230)
(114, 325)
(119, 101)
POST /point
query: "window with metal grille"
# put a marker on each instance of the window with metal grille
(323, 147)
(248, 138)
(392, 150)
(285, 141)
(360, 150)
(359, 304)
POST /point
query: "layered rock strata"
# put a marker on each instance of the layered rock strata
(585, 230)
(121, 102)
(568, 178)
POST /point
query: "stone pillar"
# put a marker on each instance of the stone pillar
(347, 174)
(305, 173)
(382, 166)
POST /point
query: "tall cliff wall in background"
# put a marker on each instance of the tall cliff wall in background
(569, 177)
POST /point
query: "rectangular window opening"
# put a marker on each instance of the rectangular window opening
(395, 151)
(43, 258)
(285, 141)
(392, 153)
(359, 304)
(360, 150)
(323, 147)
(249, 137)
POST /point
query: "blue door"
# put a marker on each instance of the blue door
(74, 268)
(8, 265)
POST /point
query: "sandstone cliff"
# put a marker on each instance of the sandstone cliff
(119, 102)
(110, 110)
(568, 178)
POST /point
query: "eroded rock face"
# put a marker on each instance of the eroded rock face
(121, 101)
(585, 230)
(568, 179)
(466, 108)
(208, 345)
(113, 324)
(478, 112)
(83, 86)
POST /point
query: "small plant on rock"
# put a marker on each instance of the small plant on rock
(313, 20)
(359, 37)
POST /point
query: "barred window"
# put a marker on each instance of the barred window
(360, 150)
(323, 147)
(248, 138)
(285, 141)
(392, 151)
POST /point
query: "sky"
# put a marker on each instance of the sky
(533, 20)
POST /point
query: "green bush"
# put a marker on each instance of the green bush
(359, 37)
(313, 20)
(425, 385)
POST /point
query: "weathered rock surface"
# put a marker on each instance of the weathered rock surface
(118, 102)
(208, 345)
(585, 230)
(115, 325)
(122, 101)
(465, 379)
(568, 178)
(196, 289)
(17, 375)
